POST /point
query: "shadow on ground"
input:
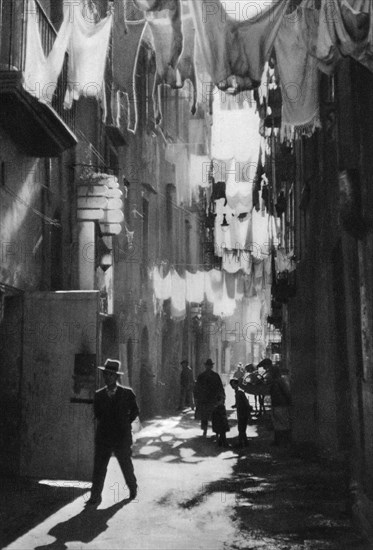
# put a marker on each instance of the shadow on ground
(282, 499)
(177, 439)
(286, 500)
(24, 503)
(84, 527)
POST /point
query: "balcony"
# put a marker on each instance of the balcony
(38, 129)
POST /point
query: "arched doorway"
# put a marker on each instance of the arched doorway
(146, 379)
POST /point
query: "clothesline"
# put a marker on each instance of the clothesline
(223, 290)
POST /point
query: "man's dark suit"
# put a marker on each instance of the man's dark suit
(113, 435)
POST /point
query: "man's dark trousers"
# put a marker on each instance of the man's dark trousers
(113, 436)
(102, 456)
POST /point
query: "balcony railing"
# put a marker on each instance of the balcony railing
(14, 16)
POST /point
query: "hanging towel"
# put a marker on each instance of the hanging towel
(41, 72)
(88, 46)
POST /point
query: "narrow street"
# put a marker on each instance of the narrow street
(193, 495)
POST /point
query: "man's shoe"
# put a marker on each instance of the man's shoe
(94, 501)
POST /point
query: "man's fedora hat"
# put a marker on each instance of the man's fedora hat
(184, 362)
(111, 365)
(209, 362)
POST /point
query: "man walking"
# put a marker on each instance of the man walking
(115, 408)
(209, 390)
(186, 386)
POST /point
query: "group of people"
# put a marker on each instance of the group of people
(269, 375)
(115, 408)
(209, 396)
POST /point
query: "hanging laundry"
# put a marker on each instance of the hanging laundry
(345, 28)
(235, 133)
(224, 235)
(283, 262)
(239, 194)
(246, 260)
(127, 35)
(167, 48)
(261, 236)
(241, 231)
(251, 315)
(231, 261)
(225, 306)
(209, 293)
(266, 303)
(174, 38)
(230, 283)
(198, 138)
(258, 276)
(127, 11)
(267, 271)
(155, 5)
(186, 64)
(218, 191)
(239, 293)
(41, 72)
(299, 75)
(234, 51)
(216, 282)
(195, 286)
(88, 46)
(178, 296)
(162, 285)
(249, 288)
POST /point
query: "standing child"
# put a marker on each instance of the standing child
(243, 412)
(220, 423)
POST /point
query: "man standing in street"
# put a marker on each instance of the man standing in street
(209, 390)
(186, 386)
(115, 408)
